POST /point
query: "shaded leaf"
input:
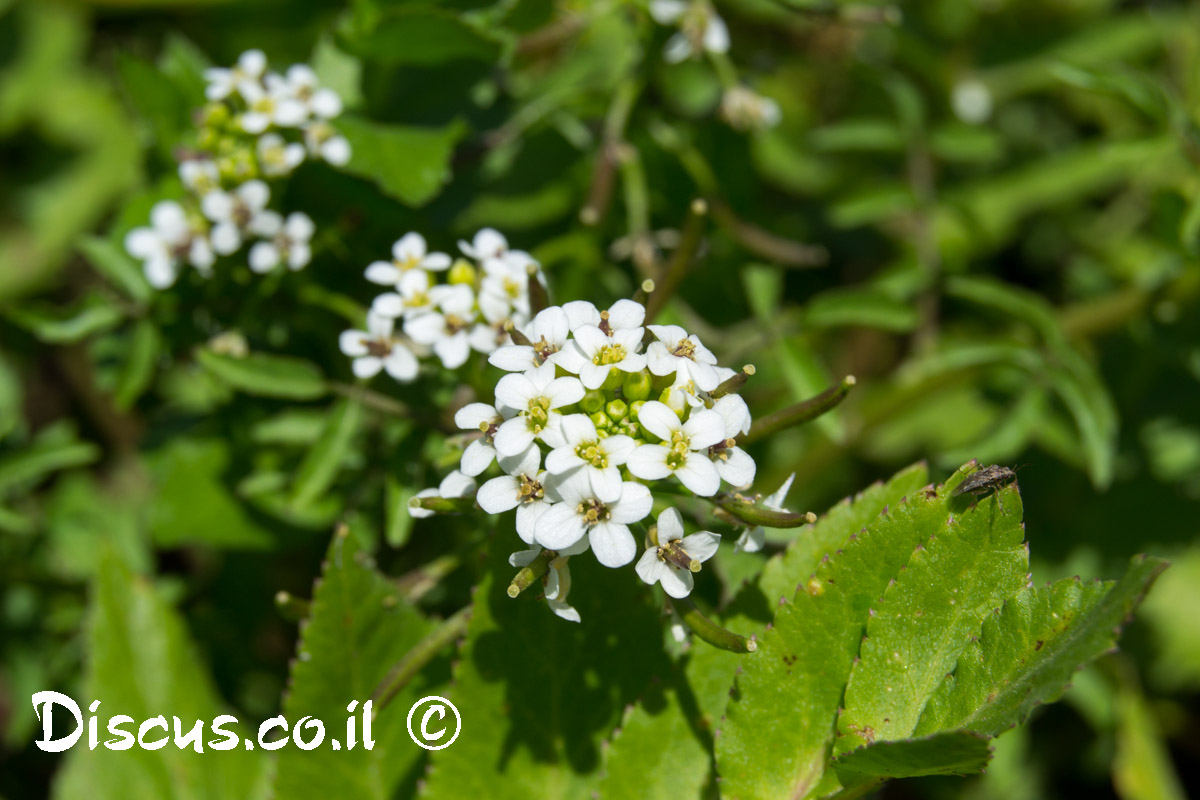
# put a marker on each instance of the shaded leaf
(411, 164)
(266, 375)
(958, 753)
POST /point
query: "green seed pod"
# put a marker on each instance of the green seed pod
(616, 410)
(462, 272)
(637, 386)
(593, 401)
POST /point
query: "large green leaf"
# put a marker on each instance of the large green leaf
(358, 627)
(420, 35)
(1028, 651)
(142, 663)
(539, 694)
(322, 462)
(411, 164)
(957, 753)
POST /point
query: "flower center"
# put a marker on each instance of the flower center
(405, 264)
(379, 348)
(529, 490)
(685, 349)
(592, 453)
(721, 449)
(454, 323)
(538, 415)
(417, 299)
(609, 354)
(677, 451)
(512, 288)
(592, 511)
(264, 105)
(489, 427)
(543, 350)
(674, 554)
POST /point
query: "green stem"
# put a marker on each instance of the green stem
(422, 653)
(371, 399)
(748, 512)
(710, 631)
(733, 385)
(443, 505)
(531, 573)
(290, 607)
(681, 259)
(418, 582)
(804, 411)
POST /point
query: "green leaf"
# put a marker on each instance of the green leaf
(120, 268)
(137, 370)
(266, 375)
(184, 64)
(1142, 768)
(864, 307)
(956, 753)
(155, 98)
(54, 325)
(917, 629)
(538, 694)
(10, 398)
(786, 701)
(55, 448)
(1029, 649)
(422, 36)
(783, 572)
(359, 626)
(339, 71)
(321, 464)
(411, 164)
(142, 663)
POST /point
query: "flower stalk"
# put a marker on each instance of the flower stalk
(531, 573)
(804, 411)
(415, 659)
(749, 512)
(443, 505)
(290, 607)
(733, 385)
(681, 260)
(710, 631)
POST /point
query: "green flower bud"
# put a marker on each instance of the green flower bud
(616, 410)
(614, 379)
(461, 272)
(600, 421)
(593, 401)
(636, 386)
(635, 407)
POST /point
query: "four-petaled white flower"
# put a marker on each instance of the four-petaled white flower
(303, 85)
(581, 452)
(676, 352)
(409, 253)
(684, 448)
(277, 156)
(593, 354)
(377, 349)
(535, 397)
(447, 325)
(453, 486)
(324, 142)
(747, 110)
(243, 209)
(700, 28)
(606, 523)
(222, 81)
(479, 454)
(488, 245)
(675, 557)
(556, 583)
(200, 175)
(529, 495)
(547, 334)
(289, 244)
(623, 315)
(269, 105)
(752, 539)
(168, 240)
(734, 465)
(504, 288)
(410, 299)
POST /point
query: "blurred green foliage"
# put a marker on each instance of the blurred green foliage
(988, 212)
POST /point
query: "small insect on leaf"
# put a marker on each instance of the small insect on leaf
(984, 481)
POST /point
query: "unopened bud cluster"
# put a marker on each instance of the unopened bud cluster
(257, 126)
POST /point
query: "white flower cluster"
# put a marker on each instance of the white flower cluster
(470, 311)
(587, 423)
(258, 124)
(701, 28)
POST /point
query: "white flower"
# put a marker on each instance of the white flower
(606, 523)
(480, 453)
(556, 583)
(528, 495)
(700, 28)
(734, 465)
(488, 245)
(752, 539)
(324, 142)
(505, 286)
(746, 110)
(302, 84)
(244, 209)
(581, 452)
(200, 175)
(290, 243)
(408, 253)
(592, 354)
(222, 81)
(548, 335)
(411, 299)
(454, 485)
(446, 327)
(673, 560)
(376, 348)
(621, 316)
(535, 397)
(269, 105)
(168, 240)
(276, 156)
(682, 354)
(485, 337)
(684, 451)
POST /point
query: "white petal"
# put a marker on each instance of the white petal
(476, 458)
(677, 48)
(527, 516)
(453, 350)
(670, 525)
(579, 313)
(716, 35)
(388, 304)
(751, 540)
(612, 543)
(383, 273)
(736, 414)
(326, 103)
(737, 469)
(225, 238)
(701, 545)
(634, 504)
(498, 495)
(254, 194)
(457, 484)
(409, 246)
(401, 364)
(513, 437)
(618, 448)
(649, 568)
(649, 462)
(263, 257)
(660, 361)
(160, 272)
(351, 343)
(592, 375)
(777, 499)
(472, 415)
(699, 475)
(366, 366)
(563, 391)
(577, 428)
(606, 483)
(336, 151)
(512, 358)
(659, 419)
(667, 11)
(677, 582)
(562, 460)
(436, 262)
(704, 428)
(527, 462)
(515, 391)
(626, 314)
(559, 527)
(523, 558)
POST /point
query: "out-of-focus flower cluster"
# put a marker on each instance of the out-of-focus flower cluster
(257, 126)
(483, 295)
(597, 416)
